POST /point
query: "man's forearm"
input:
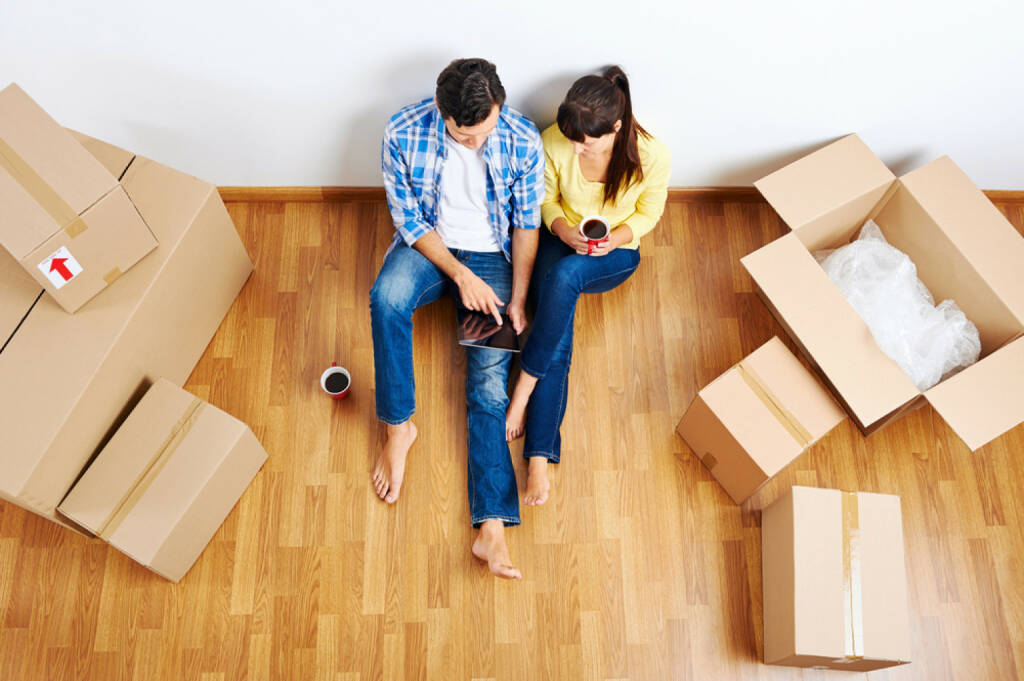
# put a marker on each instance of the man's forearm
(434, 250)
(524, 252)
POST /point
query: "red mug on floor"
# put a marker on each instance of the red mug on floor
(595, 230)
(336, 381)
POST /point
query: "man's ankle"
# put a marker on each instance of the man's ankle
(492, 527)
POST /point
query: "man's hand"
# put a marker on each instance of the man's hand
(516, 311)
(477, 295)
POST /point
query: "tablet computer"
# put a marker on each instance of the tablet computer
(478, 329)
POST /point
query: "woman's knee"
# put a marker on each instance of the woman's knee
(567, 274)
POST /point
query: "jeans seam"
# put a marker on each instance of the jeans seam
(390, 422)
(424, 293)
(613, 275)
(550, 456)
(508, 519)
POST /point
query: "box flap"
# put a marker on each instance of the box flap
(113, 239)
(818, 572)
(808, 304)
(127, 457)
(883, 574)
(819, 182)
(986, 399)
(977, 228)
(18, 293)
(795, 388)
(114, 159)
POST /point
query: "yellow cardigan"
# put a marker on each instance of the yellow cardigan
(571, 196)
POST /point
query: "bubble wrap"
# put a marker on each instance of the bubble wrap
(926, 340)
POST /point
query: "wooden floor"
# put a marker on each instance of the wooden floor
(640, 567)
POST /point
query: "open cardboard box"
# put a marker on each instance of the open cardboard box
(964, 249)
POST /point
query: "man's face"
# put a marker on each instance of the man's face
(473, 136)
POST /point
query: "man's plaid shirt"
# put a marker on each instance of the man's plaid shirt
(412, 159)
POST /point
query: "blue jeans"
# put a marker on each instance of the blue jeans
(560, 276)
(406, 281)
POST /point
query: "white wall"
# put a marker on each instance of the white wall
(265, 93)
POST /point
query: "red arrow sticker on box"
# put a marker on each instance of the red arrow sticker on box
(60, 267)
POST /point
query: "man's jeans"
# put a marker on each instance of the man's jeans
(406, 281)
(560, 276)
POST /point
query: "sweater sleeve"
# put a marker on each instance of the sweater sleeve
(651, 202)
(551, 209)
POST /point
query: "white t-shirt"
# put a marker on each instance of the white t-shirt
(463, 220)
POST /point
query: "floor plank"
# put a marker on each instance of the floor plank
(640, 567)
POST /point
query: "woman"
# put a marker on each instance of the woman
(599, 162)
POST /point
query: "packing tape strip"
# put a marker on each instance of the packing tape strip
(112, 276)
(770, 400)
(36, 186)
(853, 611)
(149, 473)
(76, 227)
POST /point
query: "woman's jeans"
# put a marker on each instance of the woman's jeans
(406, 281)
(561, 276)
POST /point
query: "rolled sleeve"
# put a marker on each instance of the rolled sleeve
(406, 213)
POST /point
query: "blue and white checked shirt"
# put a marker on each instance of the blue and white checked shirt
(412, 159)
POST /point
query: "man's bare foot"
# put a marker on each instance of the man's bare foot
(515, 415)
(390, 468)
(537, 483)
(491, 548)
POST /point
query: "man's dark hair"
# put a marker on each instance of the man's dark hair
(467, 90)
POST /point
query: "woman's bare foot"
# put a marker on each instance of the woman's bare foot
(491, 548)
(537, 483)
(390, 468)
(515, 415)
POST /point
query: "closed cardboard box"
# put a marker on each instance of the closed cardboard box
(751, 423)
(964, 249)
(65, 218)
(67, 381)
(167, 480)
(834, 580)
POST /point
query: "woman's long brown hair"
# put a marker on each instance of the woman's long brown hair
(590, 109)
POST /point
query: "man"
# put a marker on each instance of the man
(464, 176)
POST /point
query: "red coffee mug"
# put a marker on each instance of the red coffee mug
(336, 381)
(595, 230)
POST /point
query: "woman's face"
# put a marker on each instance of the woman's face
(597, 146)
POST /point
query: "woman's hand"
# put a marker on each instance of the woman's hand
(620, 236)
(570, 236)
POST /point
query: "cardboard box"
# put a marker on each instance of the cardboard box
(749, 424)
(835, 584)
(67, 381)
(964, 249)
(65, 218)
(167, 480)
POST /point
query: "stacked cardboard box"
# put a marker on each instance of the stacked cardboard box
(750, 424)
(964, 249)
(65, 218)
(167, 480)
(68, 380)
(835, 585)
